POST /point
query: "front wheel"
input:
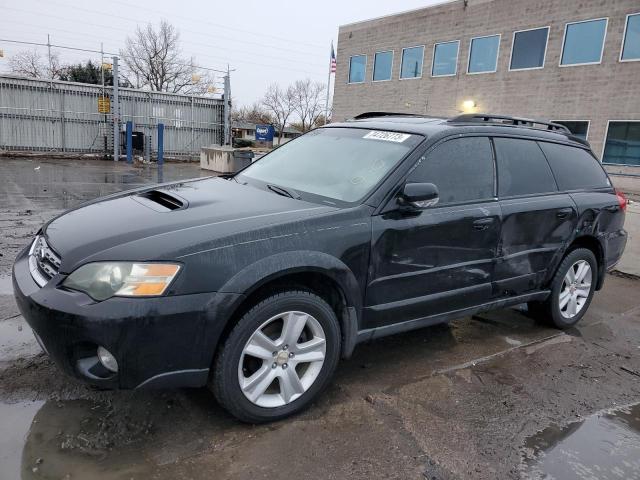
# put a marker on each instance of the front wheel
(278, 357)
(572, 290)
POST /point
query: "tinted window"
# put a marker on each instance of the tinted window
(574, 168)
(412, 62)
(357, 68)
(484, 54)
(579, 128)
(529, 48)
(462, 169)
(382, 66)
(583, 42)
(445, 59)
(623, 143)
(631, 46)
(522, 168)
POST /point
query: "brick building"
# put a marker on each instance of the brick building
(564, 60)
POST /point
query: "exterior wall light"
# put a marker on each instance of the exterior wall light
(468, 105)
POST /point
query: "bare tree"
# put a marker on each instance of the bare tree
(254, 113)
(30, 63)
(281, 104)
(308, 102)
(155, 61)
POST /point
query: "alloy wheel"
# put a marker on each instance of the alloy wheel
(282, 359)
(575, 290)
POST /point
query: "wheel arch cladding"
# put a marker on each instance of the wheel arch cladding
(310, 269)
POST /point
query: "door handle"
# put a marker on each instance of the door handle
(482, 223)
(564, 212)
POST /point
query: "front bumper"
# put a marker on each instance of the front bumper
(158, 342)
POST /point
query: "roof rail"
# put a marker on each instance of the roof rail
(507, 120)
(384, 114)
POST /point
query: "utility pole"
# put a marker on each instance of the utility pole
(115, 109)
(49, 55)
(227, 108)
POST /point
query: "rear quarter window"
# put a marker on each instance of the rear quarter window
(574, 168)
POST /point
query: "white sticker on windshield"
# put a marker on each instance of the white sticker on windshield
(387, 136)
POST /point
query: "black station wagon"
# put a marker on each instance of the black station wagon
(257, 283)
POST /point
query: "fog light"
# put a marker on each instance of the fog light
(107, 360)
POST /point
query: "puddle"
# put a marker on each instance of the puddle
(6, 285)
(16, 340)
(15, 422)
(605, 446)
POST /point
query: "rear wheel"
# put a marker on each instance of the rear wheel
(278, 357)
(572, 290)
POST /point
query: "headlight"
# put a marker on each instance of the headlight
(104, 280)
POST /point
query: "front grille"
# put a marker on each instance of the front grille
(44, 263)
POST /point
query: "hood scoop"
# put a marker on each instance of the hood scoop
(160, 200)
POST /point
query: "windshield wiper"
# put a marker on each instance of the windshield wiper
(283, 191)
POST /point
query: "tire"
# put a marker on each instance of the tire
(244, 365)
(560, 310)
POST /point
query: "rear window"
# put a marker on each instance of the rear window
(574, 168)
(522, 168)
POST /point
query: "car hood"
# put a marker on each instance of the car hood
(200, 210)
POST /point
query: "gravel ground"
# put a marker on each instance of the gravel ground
(466, 400)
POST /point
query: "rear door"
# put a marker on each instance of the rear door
(438, 259)
(537, 219)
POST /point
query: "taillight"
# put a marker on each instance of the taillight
(622, 200)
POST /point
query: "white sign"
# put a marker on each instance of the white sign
(387, 136)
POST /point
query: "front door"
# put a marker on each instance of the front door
(439, 259)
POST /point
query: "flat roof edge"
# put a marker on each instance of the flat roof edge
(435, 5)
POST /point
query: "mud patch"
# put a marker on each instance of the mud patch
(604, 446)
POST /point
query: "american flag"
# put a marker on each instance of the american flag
(332, 69)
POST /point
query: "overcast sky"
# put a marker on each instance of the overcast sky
(263, 41)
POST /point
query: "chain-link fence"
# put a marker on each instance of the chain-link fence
(53, 116)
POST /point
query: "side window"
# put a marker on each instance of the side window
(574, 168)
(462, 169)
(522, 168)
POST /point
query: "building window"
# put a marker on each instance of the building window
(412, 62)
(529, 49)
(445, 59)
(631, 41)
(579, 128)
(382, 64)
(583, 42)
(622, 146)
(483, 54)
(357, 68)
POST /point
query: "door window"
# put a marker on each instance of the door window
(522, 168)
(462, 169)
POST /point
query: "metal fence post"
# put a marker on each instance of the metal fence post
(160, 143)
(129, 141)
(115, 108)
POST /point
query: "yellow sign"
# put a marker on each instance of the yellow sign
(107, 66)
(104, 104)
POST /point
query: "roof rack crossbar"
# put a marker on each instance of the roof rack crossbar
(507, 120)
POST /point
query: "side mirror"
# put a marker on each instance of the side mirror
(419, 195)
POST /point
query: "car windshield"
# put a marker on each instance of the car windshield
(342, 164)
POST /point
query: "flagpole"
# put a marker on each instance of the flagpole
(326, 106)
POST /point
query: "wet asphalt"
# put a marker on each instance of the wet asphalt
(485, 397)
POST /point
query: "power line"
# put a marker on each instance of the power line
(65, 19)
